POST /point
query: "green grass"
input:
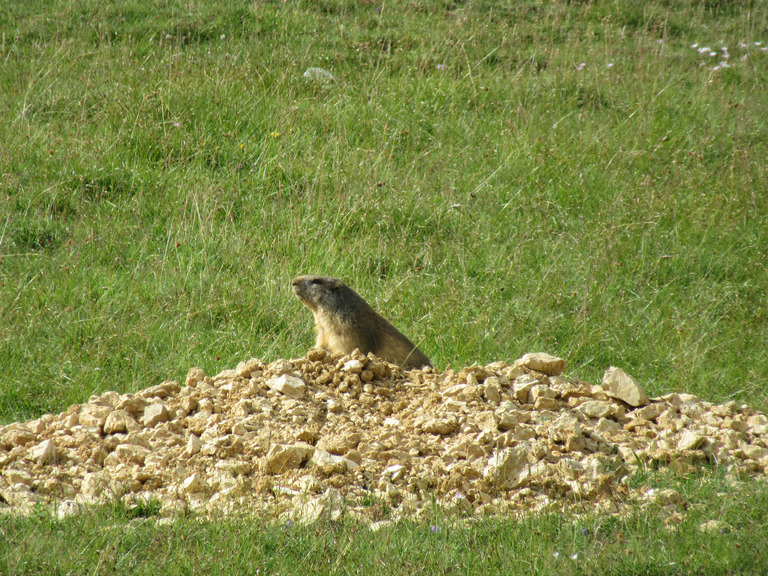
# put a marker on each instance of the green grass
(115, 540)
(165, 170)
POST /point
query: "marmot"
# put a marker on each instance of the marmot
(344, 321)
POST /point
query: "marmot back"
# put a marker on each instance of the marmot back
(344, 321)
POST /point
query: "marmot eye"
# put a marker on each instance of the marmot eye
(316, 281)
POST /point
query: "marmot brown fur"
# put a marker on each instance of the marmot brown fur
(344, 321)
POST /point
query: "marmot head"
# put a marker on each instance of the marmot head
(329, 294)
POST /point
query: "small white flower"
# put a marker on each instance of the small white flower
(580, 65)
(575, 557)
(758, 43)
(609, 65)
(695, 45)
(223, 36)
(742, 45)
(704, 49)
(556, 555)
(712, 54)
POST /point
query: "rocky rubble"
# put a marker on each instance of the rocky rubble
(318, 435)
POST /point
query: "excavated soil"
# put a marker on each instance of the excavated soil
(324, 435)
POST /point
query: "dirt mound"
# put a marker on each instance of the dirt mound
(325, 434)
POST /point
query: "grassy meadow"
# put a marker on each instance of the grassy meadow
(498, 178)
(584, 178)
(116, 540)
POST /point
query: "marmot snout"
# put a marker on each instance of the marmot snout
(344, 321)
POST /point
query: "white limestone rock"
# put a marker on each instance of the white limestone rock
(541, 391)
(193, 484)
(331, 463)
(353, 366)
(16, 435)
(120, 421)
(690, 440)
(487, 421)
(162, 390)
(508, 468)
(194, 445)
(440, 425)
(620, 385)
(19, 496)
(44, 453)
(650, 412)
(543, 362)
(564, 426)
(94, 415)
(546, 403)
(288, 385)
(596, 409)
(194, 376)
(284, 457)
(94, 484)
(131, 453)
(155, 414)
(522, 386)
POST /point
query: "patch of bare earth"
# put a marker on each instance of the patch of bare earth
(326, 435)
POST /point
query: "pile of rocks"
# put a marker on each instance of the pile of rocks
(326, 434)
